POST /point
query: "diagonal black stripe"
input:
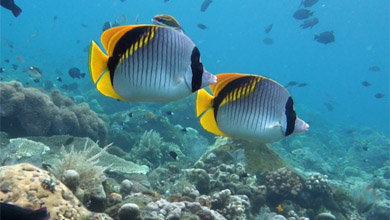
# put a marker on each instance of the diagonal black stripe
(124, 43)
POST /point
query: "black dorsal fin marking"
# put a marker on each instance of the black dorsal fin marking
(231, 91)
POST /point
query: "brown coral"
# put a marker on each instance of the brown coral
(32, 112)
(24, 188)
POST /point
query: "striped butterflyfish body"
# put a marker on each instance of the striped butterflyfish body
(147, 63)
(248, 107)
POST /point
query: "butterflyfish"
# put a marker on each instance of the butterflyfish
(147, 63)
(248, 107)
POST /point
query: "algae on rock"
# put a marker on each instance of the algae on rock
(259, 157)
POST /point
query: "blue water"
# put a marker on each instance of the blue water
(232, 43)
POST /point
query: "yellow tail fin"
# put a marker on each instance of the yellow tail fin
(97, 62)
(105, 87)
(203, 104)
(209, 123)
(203, 101)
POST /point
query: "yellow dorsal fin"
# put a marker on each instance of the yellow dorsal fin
(105, 87)
(223, 79)
(203, 101)
(110, 37)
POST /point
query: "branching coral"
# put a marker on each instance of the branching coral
(91, 175)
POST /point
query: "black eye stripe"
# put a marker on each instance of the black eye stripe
(291, 116)
(197, 70)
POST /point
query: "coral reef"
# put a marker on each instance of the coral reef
(117, 167)
(30, 111)
(126, 129)
(78, 165)
(283, 182)
(24, 185)
(153, 151)
(80, 172)
(258, 157)
(318, 183)
(129, 211)
(22, 150)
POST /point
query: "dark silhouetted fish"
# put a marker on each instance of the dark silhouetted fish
(374, 68)
(70, 87)
(35, 73)
(379, 95)
(6, 60)
(2, 70)
(268, 41)
(13, 212)
(75, 73)
(268, 28)
(302, 14)
(173, 154)
(69, 141)
(302, 84)
(291, 83)
(108, 25)
(10, 5)
(308, 3)
(205, 5)
(84, 25)
(55, 17)
(9, 44)
(329, 106)
(59, 79)
(310, 23)
(15, 66)
(366, 84)
(325, 37)
(169, 113)
(202, 26)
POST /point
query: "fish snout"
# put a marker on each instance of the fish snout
(208, 79)
(301, 126)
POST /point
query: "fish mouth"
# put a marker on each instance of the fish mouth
(213, 79)
(305, 127)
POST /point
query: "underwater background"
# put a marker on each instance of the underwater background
(344, 99)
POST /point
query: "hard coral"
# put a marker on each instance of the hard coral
(284, 182)
(25, 188)
(32, 112)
